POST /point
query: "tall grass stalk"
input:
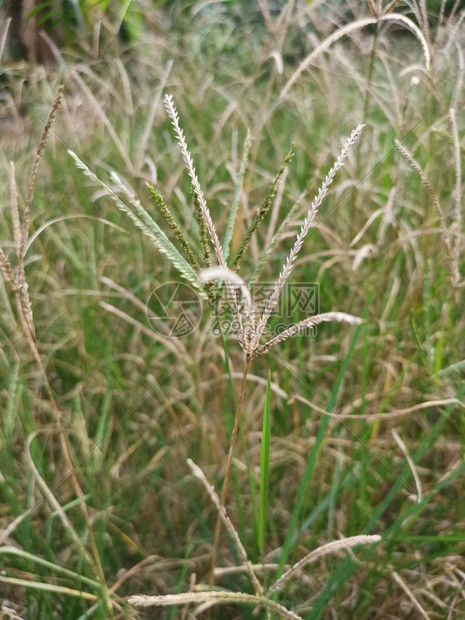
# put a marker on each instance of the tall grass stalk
(16, 278)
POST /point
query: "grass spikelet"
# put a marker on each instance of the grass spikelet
(435, 200)
(7, 270)
(215, 596)
(173, 115)
(15, 211)
(203, 230)
(164, 210)
(332, 547)
(316, 203)
(276, 238)
(338, 317)
(35, 165)
(150, 228)
(408, 23)
(458, 197)
(264, 468)
(264, 208)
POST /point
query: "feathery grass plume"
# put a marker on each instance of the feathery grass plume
(142, 220)
(332, 547)
(288, 266)
(203, 230)
(7, 270)
(231, 277)
(311, 321)
(198, 473)
(162, 207)
(35, 165)
(173, 115)
(264, 208)
(237, 194)
(458, 197)
(435, 200)
(214, 596)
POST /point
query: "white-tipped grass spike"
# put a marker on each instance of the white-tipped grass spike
(332, 547)
(311, 321)
(306, 226)
(173, 115)
(215, 596)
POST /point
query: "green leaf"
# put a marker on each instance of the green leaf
(264, 468)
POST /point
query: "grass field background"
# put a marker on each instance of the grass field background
(379, 254)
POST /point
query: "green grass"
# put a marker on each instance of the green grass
(321, 482)
(264, 469)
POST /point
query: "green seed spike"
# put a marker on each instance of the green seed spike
(264, 469)
(264, 208)
(160, 204)
(204, 239)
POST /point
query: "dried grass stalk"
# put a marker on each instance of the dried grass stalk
(198, 473)
(458, 197)
(216, 596)
(416, 477)
(35, 166)
(435, 200)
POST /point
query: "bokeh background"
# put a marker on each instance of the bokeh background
(380, 253)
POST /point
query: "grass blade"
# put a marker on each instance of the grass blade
(264, 468)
